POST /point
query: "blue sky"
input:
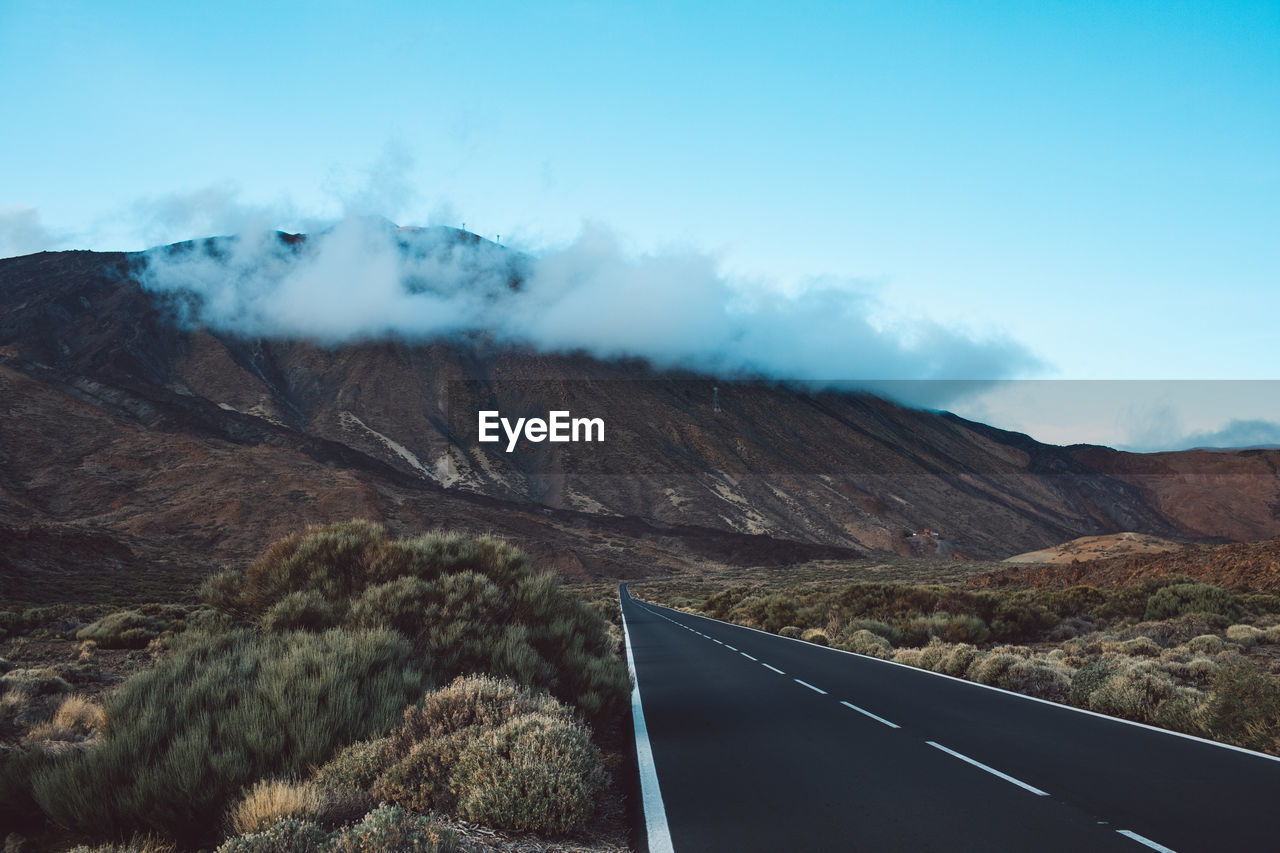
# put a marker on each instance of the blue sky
(1098, 181)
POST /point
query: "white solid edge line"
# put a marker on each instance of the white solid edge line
(774, 668)
(991, 770)
(1129, 833)
(1100, 716)
(655, 813)
(878, 719)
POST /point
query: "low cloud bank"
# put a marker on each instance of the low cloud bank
(363, 278)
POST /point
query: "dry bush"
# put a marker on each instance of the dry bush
(991, 668)
(534, 774)
(1133, 691)
(933, 655)
(422, 779)
(1245, 635)
(1137, 647)
(910, 657)
(815, 636)
(477, 700)
(959, 660)
(1210, 644)
(792, 631)
(1272, 636)
(139, 844)
(42, 681)
(270, 801)
(864, 642)
(1037, 677)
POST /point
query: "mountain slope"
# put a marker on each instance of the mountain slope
(170, 446)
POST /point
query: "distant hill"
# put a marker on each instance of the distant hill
(1097, 548)
(1244, 565)
(132, 447)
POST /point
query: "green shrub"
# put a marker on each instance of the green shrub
(422, 778)
(221, 712)
(1184, 598)
(792, 631)
(875, 626)
(534, 774)
(864, 642)
(1206, 644)
(966, 628)
(1088, 678)
(302, 611)
(1140, 647)
(356, 765)
(466, 604)
(124, 629)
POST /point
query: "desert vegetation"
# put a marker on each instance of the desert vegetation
(345, 691)
(1171, 651)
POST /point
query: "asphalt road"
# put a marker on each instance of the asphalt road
(761, 743)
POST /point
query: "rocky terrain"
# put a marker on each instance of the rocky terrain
(137, 450)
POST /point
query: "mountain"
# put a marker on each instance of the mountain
(133, 445)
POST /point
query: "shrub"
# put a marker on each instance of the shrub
(1184, 598)
(1037, 678)
(287, 836)
(1088, 678)
(1243, 707)
(470, 701)
(1245, 635)
(271, 801)
(960, 659)
(1140, 647)
(792, 631)
(534, 774)
(991, 668)
(76, 719)
(356, 765)
(864, 642)
(1272, 636)
(966, 628)
(422, 779)
(1206, 644)
(1132, 692)
(124, 629)
(34, 682)
(875, 626)
(447, 594)
(390, 829)
(306, 610)
(219, 713)
(815, 636)
(139, 844)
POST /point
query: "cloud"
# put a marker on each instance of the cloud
(364, 278)
(208, 211)
(1237, 433)
(22, 233)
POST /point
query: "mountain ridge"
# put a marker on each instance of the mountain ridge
(184, 444)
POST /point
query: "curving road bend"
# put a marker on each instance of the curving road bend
(761, 743)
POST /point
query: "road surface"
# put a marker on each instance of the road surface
(761, 743)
